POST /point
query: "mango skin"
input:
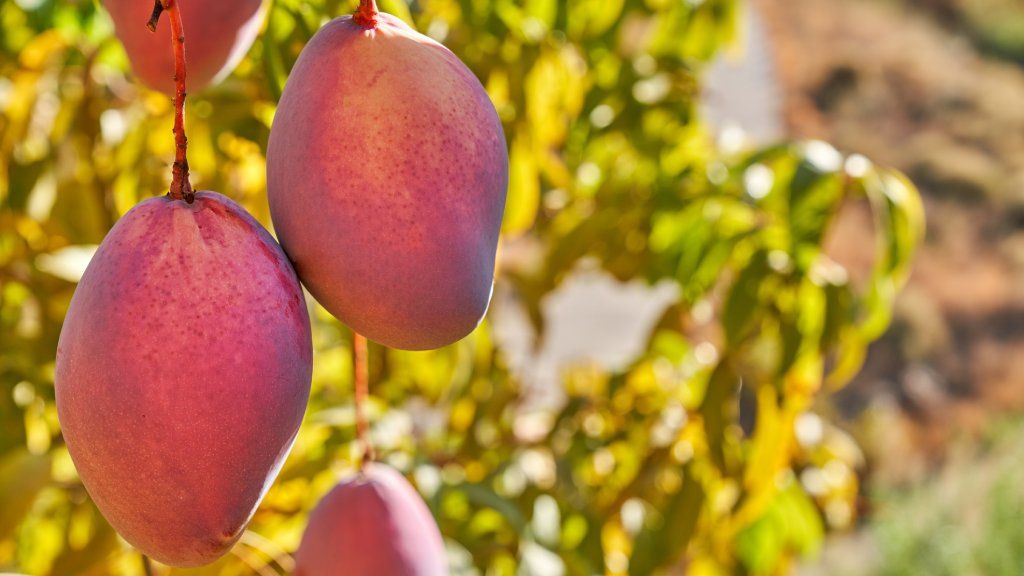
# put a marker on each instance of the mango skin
(218, 33)
(375, 524)
(183, 372)
(387, 171)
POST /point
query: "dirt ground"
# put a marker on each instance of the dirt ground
(896, 83)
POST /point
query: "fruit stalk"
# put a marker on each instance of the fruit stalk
(181, 188)
(362, 385)
(366, 14)
(147, 565)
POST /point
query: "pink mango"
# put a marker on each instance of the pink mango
(218, 33)
(183, 372)
(387, 172)
(375, 524)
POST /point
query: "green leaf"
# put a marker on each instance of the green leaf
(719, 409)
(593, 17)
(838, 299)
(814, 197)
(791, 525)
(483, 496)
(273, 66)
(900, 221)
(742, 305)
(659, 545)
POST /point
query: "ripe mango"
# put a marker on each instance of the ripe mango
(386, 172)
(183, 371)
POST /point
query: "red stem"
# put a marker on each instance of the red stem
(181, 188)
(366, 14)
(361, 375)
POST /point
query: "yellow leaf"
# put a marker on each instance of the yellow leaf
(524, 188)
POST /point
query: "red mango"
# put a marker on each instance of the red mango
(375, 524)
(386, 172)
(183, 371)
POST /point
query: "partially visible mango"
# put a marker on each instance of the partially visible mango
(375, 524)
(218, 33)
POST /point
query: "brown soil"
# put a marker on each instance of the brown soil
(895, 84)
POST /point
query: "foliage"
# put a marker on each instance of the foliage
(637, 471)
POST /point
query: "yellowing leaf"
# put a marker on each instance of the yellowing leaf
(523, 188)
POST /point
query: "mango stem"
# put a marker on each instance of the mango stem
(366, 14)
(181, 188)
(361, 378)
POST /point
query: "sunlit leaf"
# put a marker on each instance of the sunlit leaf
(524, 188)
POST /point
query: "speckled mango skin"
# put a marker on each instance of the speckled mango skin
(375, 524)
(218, 33)
(387, 172)
(183, 372)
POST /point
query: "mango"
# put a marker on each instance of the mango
(218, 33)
(183, 371)
(387, 172)
(374, 524)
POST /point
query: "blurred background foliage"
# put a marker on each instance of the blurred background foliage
(701, 454)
